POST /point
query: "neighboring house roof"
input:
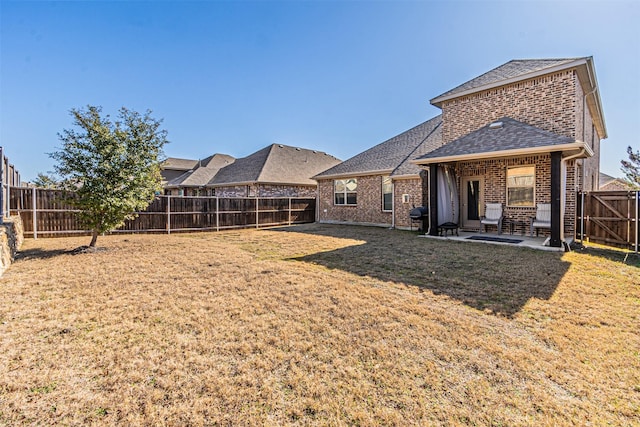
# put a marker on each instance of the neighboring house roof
(524, 69)
(610, 183)
(504, 137)
(178, 164)
(203, 172)
(393, 155)
(275, 164)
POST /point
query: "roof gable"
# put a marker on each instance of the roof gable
(276, 164)
(525, 69)
(391, 155)
(175, 163)
(203, 172)
(517, 69)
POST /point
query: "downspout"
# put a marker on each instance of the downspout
(393, 203)
(428, 231)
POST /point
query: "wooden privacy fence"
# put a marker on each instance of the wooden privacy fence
(47, 213)
(9, 177)
(609, 218)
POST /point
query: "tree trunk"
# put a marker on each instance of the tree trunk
(94, 237)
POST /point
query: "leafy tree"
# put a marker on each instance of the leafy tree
(631, 168)
(113, 167)
(44, 180)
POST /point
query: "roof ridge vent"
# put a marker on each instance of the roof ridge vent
(496, 125)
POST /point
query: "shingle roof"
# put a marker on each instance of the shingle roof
(178, 164)
(392, 156)
(511, 70)
(203, 172)
(610, 183)
(275, 164)
(512, 135)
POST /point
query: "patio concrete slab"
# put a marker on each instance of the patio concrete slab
(526, 241)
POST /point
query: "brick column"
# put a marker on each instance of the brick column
(556, 198)
(433, 199)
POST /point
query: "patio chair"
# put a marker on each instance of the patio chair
(492, 216)
(542, 218)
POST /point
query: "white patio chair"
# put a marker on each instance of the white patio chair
(542, 218)
(492, 216)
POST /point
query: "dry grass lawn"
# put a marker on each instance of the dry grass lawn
(317, 325)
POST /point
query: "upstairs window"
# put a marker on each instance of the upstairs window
(387, 194)
(345, 191)
(521, 183)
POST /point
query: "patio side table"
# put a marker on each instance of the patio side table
(513, 223)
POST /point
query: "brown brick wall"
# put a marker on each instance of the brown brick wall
(369, 203)
(548, 102)
(412, 187)
(495, 188)
(586, 132)
(570, 200)
(495, 182)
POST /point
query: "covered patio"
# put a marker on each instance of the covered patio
(510, 164)
(517, 240)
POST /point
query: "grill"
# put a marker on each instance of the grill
(421, 213)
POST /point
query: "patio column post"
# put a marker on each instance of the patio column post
(556, 198)
(433, 199)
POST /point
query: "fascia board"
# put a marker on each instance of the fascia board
(353, 174)
(579, 145)
(589, 81)
(401, 177)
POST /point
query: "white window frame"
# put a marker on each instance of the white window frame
(532, 186)
(345, 192)
(387, 180)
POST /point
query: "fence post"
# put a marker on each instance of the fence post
(257, 212)
(582, 217)
(34, 213)
(637, 208)
(289, 210)
(217, 213)
(169, 214)
(2, 185)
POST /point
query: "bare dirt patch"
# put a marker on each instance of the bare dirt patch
(317, 325)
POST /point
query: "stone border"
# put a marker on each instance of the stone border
(11, 238)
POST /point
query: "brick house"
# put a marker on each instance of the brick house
(193, 182)
(524, 133)
(173, 167)
(379, 186)
(610, 183)
(274, 171)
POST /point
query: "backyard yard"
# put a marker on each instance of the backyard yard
(317, 325)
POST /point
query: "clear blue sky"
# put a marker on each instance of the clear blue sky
(233, 77)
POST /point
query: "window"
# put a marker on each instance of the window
(345, 191)
(387, 194)
(520, 186)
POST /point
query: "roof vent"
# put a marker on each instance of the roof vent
(297, 148)
(280, 145)
(496, 125)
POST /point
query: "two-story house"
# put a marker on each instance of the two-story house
(525, 133)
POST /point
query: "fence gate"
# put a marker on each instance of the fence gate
(609, 218)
